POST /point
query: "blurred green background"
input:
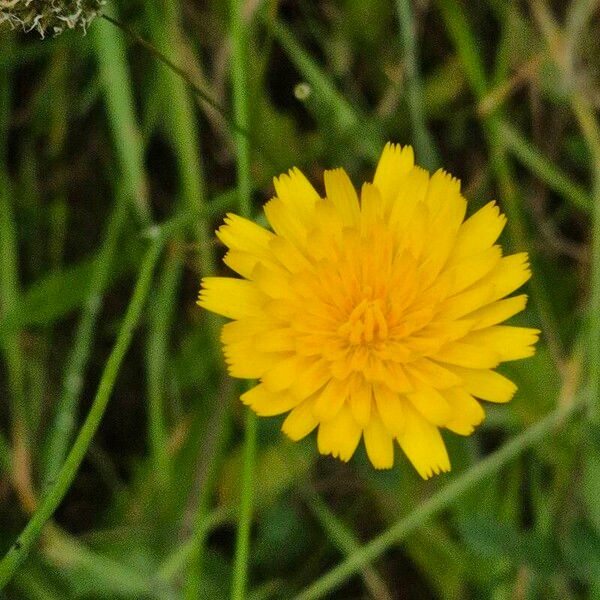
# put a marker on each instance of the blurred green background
(100, 142)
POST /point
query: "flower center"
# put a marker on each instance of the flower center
(366, 323)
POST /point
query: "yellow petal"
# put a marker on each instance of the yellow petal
(510, 343)
(241, 262)
(498, 311)
(468, 355)
(423, 445)
(312, 375)
(276, 340)
(393, 167)
(233, 298)
(472, 269)
(466, 302)
(433, 374)
(371, 208)
(444, 198)
(486, 384)
(416, 235)
(467, 413)
(360, 399)
(241, 234)
(288, 255)
(445, 331)
(341, 193)
(446, 208)
(285, 372)
(268, 404)
(245, 362)
(411, 193)
(478, 232)
(272, 281)
(244, 329)
(379, 443)
(431, 404)
(300, 422)
(390, 408)
(330, 400)
(297, 194)
(508, 275)
(284, 222)
(339, 436)
(397, 379)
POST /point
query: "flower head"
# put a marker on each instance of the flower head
(375, 318)
(53, 16)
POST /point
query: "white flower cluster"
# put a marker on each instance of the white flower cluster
(49, 16)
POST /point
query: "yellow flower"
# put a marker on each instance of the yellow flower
(376, 318)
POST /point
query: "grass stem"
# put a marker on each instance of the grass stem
(424, 144)
(239, 69)
(50, 502)
(442, 500)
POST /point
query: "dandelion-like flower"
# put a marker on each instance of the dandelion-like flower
(376, 318)
(49, 16)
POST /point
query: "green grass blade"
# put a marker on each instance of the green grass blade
(116, 82)
(239, 69)
(425, 148)
(442, 499)
(543, 168)
(50, 502)
(344, 117)
(466, 46)
(10, 343)
(161, 317)
(346, 542)
(64, 422)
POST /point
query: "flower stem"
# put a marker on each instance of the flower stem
(239, 72)
(242, 542)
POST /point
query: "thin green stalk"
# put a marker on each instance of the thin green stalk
(239, 72)
(591, 130)
(543, 168)
(111, 54)
(442, 499)
(346, 542)
(50, 502)
(11, 346)
(68, 554)
(65, 416)
(168, 62)
(424, 144)
(164, 22)
(5, 456)
(242, 543)
(161, 317)
(211, 450)
(181, 123)
(184, 553)
(195, 89)
(171, 227)
(183, 134)
(9, 276)
(344, 117)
